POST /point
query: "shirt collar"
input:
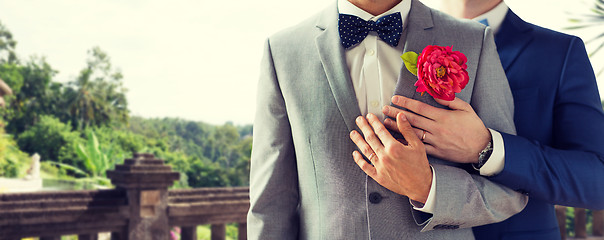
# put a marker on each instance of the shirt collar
(345, 7)
(495, 16)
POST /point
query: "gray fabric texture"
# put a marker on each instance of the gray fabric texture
(304, 183)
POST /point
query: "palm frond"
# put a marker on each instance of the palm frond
(594, 52)
(69, 167)
(586, 17)
(583, 26)
(591, 20)
(599, 4)
(595, 38)
(598, 10)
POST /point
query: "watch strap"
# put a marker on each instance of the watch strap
(484, 155)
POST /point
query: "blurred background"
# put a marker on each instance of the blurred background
(196, 60)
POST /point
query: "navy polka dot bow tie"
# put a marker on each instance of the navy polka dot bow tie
(353, 29)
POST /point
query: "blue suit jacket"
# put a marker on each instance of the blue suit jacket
(557, 157)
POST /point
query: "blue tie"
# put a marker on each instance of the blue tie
(353, 29)
(484, 22)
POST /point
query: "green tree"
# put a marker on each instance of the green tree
(207, 175)
(199, 150)
(7, 46)
(53, 140)
(13, 162)
(97, 97)
(11, 75)
(34, 94)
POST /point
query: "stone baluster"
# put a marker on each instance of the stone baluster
(145, 180)
(580, 223)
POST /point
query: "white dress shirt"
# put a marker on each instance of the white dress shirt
(374, 67)
(495, 16)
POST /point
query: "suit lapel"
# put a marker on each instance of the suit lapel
(333, 59)
(512, 38)
(417, 35)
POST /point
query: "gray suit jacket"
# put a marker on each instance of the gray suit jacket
(304, 183)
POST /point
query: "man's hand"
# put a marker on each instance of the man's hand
(457, 135)
(403, 169)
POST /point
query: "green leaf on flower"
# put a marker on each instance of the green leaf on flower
(410, 60)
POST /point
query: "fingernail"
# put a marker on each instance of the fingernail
(359, 118)
(395, 98)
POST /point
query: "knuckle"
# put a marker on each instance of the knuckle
(421, 108)
(371, 137)
(380, 130)
(367, 169)
(411, 117)
(404, 102)
(393, 150)
(419, 133)
(366, 149)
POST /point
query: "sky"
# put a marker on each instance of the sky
(190, 59)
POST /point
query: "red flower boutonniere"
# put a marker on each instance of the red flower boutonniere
(440, 71)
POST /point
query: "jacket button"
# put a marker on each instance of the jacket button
(375, 198)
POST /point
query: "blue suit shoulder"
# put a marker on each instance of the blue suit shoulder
(545, 35)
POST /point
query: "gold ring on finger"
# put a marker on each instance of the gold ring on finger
(371, 156)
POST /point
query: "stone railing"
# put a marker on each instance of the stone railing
(580, 223)
(141, 207)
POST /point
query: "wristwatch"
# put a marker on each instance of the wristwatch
(484, 155)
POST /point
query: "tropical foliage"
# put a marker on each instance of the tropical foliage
(592, 21)
(83, 127)
(13, 162)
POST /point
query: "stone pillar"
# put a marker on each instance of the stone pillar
(598, 222)
(145, 180)
(188, 233)
(51, 238)
(88, 237)
(218, 232)
(118, 235)
(561, 215)
(242, 231)
(580, 223)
